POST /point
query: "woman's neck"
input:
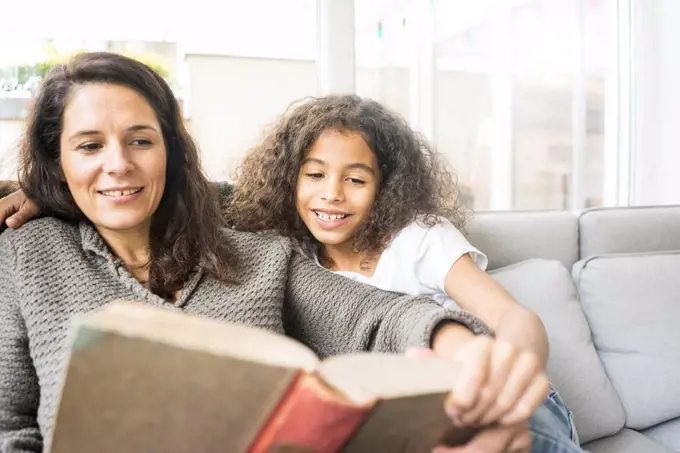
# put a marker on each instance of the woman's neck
(133, 248)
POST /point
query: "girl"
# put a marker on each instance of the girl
(369, 199)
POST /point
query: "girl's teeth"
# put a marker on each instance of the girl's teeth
(324, 216)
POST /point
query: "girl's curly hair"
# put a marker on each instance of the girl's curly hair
(415, 184)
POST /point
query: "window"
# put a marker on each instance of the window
(512, 92)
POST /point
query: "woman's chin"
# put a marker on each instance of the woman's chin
(122, 224)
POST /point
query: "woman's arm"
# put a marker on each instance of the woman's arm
(19, 389)
(334, 315)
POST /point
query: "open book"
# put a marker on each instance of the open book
(146, 379)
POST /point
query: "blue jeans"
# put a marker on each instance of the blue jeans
(552, 427)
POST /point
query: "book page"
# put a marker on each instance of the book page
(193, 332)
(366, 375)
(409, 415)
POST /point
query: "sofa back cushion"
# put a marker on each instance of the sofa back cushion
(574, 367)
(513, 236)
(606, 231)
(632, 303)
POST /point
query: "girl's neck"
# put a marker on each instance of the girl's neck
(343, 258)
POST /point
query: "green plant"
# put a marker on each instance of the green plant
(41, 68)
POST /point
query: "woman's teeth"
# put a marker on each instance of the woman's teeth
(324, 216)
(121, 193)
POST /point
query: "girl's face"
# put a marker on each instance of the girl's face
(336, 187)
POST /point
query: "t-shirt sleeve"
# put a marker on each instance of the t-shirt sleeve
(437, 250)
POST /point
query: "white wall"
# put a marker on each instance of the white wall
(10, 133)
(657, 102)
(231, 99)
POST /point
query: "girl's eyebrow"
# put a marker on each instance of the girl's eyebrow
(362, 167)
(358, 165)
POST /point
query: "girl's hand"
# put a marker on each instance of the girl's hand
(16, 209)
(498, 383)
(495, 439)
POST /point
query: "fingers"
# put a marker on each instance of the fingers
(531, 400)
(15, 221)
(524, 371)
(498, 382)
(498, 439)
(10, 206)
(521, 443)
(16, 209)
(6, 210)
(419, 352)
(503, 358)
(474, 361)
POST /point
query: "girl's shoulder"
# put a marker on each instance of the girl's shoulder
(423, 229)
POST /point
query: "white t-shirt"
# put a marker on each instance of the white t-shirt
(418, 259)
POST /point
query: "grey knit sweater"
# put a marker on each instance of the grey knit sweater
(51, 271)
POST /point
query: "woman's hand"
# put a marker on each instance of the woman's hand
(16, 209)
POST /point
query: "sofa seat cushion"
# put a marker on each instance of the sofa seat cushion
(626, 441)
(632, 303)
(574, 368)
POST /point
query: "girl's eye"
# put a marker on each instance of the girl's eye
(357, 181)
(140, 142)
(90, 147)
(315, 175)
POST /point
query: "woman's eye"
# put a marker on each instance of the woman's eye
(140, 142)
(315, 175)
(90, 147)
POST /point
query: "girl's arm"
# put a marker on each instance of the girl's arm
(510, 382)
(15, 208)
(477, 292)
(503, 380)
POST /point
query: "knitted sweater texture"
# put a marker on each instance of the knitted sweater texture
(51, 270)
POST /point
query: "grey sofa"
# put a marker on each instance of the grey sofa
(606, 283)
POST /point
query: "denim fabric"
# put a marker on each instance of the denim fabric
(552, 427)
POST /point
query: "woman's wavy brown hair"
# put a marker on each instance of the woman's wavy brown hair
(185, 229)
(415, 185)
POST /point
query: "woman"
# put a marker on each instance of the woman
(129, 215)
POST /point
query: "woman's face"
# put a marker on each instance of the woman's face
(113, 157)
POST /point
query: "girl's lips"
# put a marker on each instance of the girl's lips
(330, 224)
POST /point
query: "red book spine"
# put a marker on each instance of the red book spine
(310, 418)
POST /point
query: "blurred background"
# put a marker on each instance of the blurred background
(537, 104)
